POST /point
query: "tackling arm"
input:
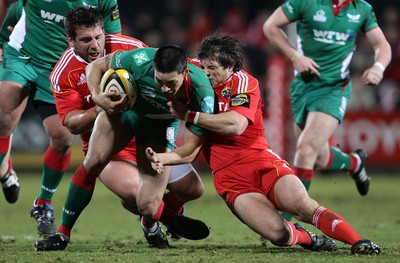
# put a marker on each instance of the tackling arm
(183, 154)
(112, 102)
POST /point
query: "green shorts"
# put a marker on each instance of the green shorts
(19, 68)
(318, 96)
(161, 130)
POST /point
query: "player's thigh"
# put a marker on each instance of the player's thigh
(257, 212)
(105, 141)
(188, 184)
(319, 128)
(122, 178)
(291, 196)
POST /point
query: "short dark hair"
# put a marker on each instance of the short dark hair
(170, 58)
(87, 17)
(224, 49)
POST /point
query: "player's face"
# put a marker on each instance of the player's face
(89, 43)
(216, 73)
(169, 83)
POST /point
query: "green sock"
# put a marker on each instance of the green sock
(339, 160)
(50, 181)
(77, 200)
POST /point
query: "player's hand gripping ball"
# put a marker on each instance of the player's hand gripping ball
(120, 81)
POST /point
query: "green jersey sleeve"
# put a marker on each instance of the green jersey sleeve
(201, 97)
(110, 11)
(294, 9)
(14, 13)
(370, 18)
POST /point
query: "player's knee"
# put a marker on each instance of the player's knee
(280, 235)
(7, 125)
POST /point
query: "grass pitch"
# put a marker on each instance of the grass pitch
(105, 232)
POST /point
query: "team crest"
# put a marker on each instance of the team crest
(226, 92)
(320, 16)
(354, 18)
(140, 58)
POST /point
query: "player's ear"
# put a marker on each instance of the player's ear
(70, 41)
(186, 71)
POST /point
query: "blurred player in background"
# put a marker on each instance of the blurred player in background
(321, 90)
(8, 177)
(253, 181)
(87, 41)
(35, 45)
(13, 15)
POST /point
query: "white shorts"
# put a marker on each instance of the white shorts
(180, 171)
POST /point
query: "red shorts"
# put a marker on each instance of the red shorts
(255, 173)
(127, 153)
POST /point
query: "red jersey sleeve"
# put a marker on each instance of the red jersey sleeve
(68, 81)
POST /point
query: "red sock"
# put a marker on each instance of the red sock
(333, 225)
(83, 179)
(64, 230)
(173, 203)
(4, 144)
(354, 163)
(299, 237)
(40, 201)
(304, 174)
(56, 161)
(155, 218)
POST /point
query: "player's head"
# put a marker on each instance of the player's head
(85, 32)
(170, 69)
(220, 57)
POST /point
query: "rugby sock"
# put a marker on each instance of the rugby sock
(4, 145)
(305, 175)
(173, 203)
(54, 166)
(172, 206)
(80, 193)
(298, 236)
(150, 226)
(334, 226)
(339, 160)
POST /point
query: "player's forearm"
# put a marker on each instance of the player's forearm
(94, 72)
(228, 123)
(383, 54)
(180, 155)
(82, 121)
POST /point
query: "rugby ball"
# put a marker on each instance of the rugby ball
(120, 81)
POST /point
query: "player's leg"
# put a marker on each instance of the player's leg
(150, 194)
(184, 185)
(291, 196)
(13, 100)
(122, 178)
(103, 144)
(310, 144)
(56, 161)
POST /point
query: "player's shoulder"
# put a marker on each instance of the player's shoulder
(244, 81)
(68, 64)
(122, 43)
(68, 60)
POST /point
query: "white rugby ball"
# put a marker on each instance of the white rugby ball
(121, 81)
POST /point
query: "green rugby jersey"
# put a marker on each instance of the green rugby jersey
(40, 34)
(14, 14)
(151, 102)
(328, 39)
